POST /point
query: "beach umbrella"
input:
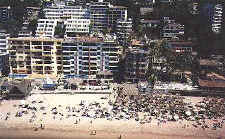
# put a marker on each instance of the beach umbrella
(176, 117)
(22, 102)
(188, 113)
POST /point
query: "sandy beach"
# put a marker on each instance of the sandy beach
(64, 126)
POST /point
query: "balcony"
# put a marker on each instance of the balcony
(48, 62)
(46, 54)
(36, 50)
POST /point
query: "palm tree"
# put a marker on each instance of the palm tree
(160, 53)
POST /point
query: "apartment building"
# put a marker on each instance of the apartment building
(75, 18)
(3, 41)
(66, 12)
(136, 62)
(99, 15)
(116, 13)
(123, 29)
(104, 15)
(46, 27)
(89, 57)
(31, 55)
(217, 18)
(76, 26)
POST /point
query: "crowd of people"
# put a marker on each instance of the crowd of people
(167, 107)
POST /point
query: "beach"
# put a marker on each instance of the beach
(61, 125)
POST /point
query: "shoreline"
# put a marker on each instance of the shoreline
(77, 134)
(70, 132)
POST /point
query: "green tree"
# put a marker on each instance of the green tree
(60, 31)
(32, 26)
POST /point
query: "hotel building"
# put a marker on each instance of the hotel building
(81, 57)
(3, 41)
(30, 55)
(89, 57)
(217, 18)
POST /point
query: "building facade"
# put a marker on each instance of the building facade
(83, 56)
(123, 30)
(136, 62)
(104, 15)
(76, 26)
(3, 41)
(217, 18)
(66, 12)
(46, 27)
(88, 57)
(30, 55)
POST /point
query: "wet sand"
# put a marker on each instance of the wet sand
(56, 134)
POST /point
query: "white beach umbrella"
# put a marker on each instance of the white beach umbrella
(176, 117)
(188, 113)
(22, 102)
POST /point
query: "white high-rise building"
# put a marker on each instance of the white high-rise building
(89, 56)
(46, 27)
(217, 18)
(123, 29)
(3, 41)
(103, 15)
(66, 12)
(74, 26)
(76, 19)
